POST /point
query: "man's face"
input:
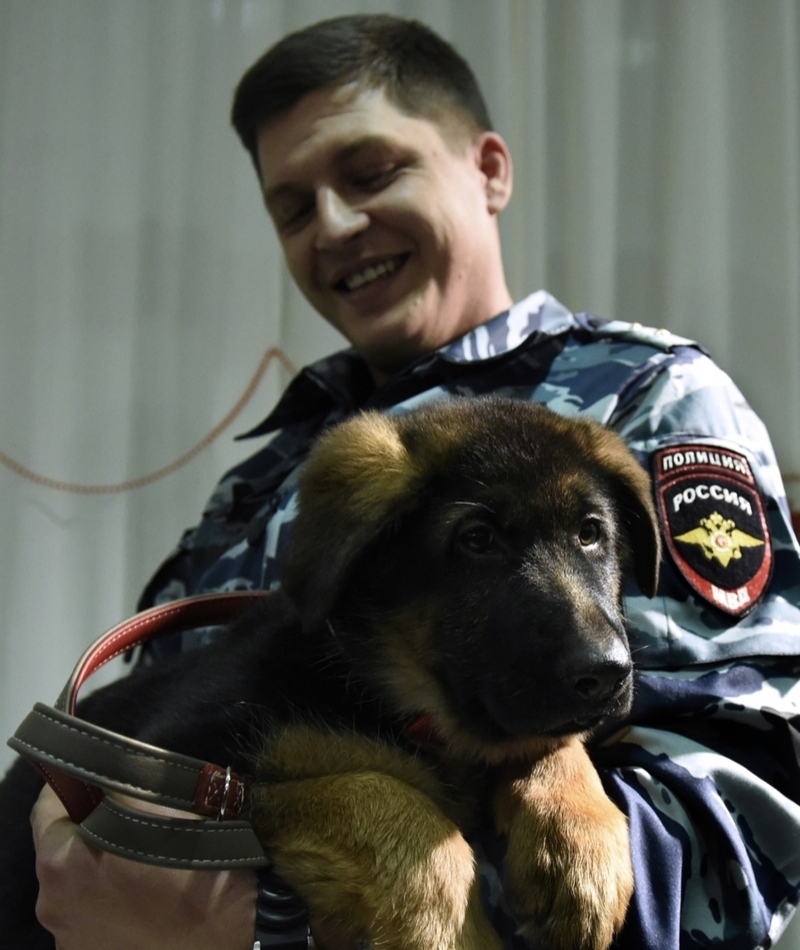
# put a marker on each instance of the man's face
(388, 222)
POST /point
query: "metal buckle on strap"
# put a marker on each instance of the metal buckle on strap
(82, 761)
(220, 793)
(225, 790)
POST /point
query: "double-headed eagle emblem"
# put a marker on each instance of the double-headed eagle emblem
(720, 538)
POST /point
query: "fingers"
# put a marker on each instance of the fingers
(48, 811)
(92, 900)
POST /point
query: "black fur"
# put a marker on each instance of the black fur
(475, 549)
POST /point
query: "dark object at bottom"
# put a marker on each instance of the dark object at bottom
(281, 916)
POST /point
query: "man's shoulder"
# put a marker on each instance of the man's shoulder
(539, 319)
(634, 333)
(543, 313)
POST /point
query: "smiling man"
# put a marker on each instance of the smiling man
(384, 179)
(388, 221)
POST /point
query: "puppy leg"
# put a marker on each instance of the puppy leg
(569, 869)
(372, 854)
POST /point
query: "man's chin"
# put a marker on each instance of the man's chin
(388, 341)
(390, 357)
(391, 333)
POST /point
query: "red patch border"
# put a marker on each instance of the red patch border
(738, 601)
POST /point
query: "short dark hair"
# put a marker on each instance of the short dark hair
(420, 72)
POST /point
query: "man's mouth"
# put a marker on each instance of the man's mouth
(372, 272)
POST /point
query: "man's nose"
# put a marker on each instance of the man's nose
(337, 221)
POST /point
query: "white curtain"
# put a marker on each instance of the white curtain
(657, 155)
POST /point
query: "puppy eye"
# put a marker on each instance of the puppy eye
(479, 539)
(590, 533)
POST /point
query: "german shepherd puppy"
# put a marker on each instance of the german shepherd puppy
(448, 636)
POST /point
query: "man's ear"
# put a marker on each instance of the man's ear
(494, 160)
(358, 478)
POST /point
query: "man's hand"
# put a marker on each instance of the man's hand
(92, 900)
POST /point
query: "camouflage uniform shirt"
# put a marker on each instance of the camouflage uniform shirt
(707, 769)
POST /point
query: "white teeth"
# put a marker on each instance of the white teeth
(373, 272)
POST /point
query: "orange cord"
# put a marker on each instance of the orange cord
(273, 353)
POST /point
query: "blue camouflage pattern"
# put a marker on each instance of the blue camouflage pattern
(707, 768)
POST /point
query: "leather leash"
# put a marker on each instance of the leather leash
(82, 761)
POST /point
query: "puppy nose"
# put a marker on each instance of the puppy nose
(603, 678)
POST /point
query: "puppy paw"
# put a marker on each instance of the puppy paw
(375, 860)
(570, 884)
(569, 872)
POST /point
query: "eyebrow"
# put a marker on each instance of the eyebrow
(362, 144)
(342, 156)
(453, 507)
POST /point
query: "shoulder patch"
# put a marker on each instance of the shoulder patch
(714, 523)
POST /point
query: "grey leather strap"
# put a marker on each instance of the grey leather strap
(82, 761)
(171, 842)
(112, 761)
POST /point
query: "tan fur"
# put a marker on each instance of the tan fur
(366, 832)
(369, 850)
(569, 868)
(365, 460)
(364, 445)
(304, 751)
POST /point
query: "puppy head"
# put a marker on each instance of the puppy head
(359, 481)
(453, 550)
(368, 472)
(631, 486)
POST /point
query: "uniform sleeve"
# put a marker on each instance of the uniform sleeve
(708, 777)
(707, 769)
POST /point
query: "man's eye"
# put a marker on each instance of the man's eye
(479, 539)
(590, 532)
(291, 219)
(376, 179)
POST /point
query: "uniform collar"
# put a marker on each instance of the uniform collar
(540, 313)
(343, 381)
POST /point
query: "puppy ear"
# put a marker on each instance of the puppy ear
(358, 478)
(635, 495)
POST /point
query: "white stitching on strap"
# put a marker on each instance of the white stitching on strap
(257, 861)
(102, 778)
(204, 828)
(110, 742)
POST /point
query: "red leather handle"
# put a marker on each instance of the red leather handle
(174, 617)
(48, 739)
